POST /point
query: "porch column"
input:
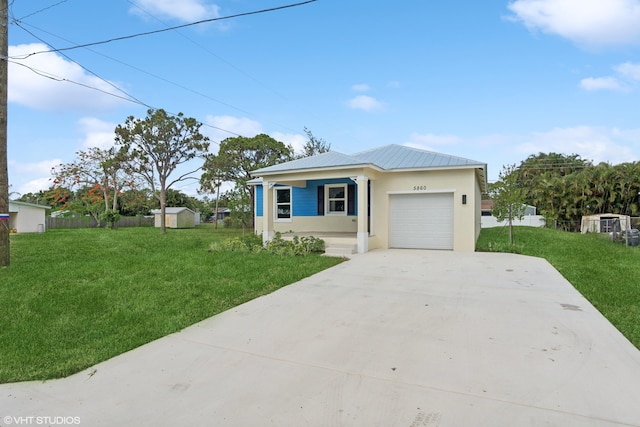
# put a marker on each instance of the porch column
(267, 211)
(363, 233)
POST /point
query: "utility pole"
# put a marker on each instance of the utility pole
(4, 172)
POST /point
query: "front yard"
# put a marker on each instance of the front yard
(73, 298)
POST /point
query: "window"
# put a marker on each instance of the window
(336, 199)
(283, 203)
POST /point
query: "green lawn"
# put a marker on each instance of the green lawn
(606, 273)
(73, 298)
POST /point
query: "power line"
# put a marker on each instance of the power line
(38, 11)
(84, 68)
(131, 98)
(218, 57)
(172, 28)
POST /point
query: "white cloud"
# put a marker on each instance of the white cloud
(366, 103)
(229, 127)
(590, 23)
(600, 83)
(362, 87)
(97, 133)
(629, 70)
(38, 82)
(183, 10)
(295, 140)
(18, 172)
(598, 144)
(42, 167)
(34, 186)
(627, 76)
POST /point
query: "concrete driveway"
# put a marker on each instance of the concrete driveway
(389, 338)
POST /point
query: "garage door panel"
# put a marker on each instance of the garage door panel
(421, 221)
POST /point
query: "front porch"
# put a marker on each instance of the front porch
(335, 244)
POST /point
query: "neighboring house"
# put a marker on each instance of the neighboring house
(605, 223)
(223, 213)
(177, 218)
(27, 217)
(389, 197)
(529, 218)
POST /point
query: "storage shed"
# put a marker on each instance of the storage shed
(176, 217)
(27, 217)
(605, 223)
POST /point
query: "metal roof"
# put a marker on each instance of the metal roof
(319, 161)
(393, 156)
(388, 157)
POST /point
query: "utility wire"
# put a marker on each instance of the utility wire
(144, 72)
(218, 57)
(173, 28)
(63, 79)
(84, 68)
(39, 11)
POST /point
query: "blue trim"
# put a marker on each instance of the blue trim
(259, 200)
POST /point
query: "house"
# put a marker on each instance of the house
(389, 197)
(177, 217)
(605, 223)
(223, 213)
(27, 217)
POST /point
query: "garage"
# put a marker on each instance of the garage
(421, 221)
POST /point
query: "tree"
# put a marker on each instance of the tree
(238, 156)
(314, 145)
(101, 170)
(157, 145)
(507, 196)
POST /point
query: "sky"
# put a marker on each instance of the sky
(494, 81)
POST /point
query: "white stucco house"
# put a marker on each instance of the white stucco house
(388, 197)
(27, 217)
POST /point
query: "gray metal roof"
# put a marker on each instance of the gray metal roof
(388, 157)
(393, 156)
(319, 161)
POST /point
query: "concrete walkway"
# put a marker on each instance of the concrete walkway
(389, 338)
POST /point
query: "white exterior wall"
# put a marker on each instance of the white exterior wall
(27, 219)
(458, 182)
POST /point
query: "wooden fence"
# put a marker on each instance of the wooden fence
(89, 222)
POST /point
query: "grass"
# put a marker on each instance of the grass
(73, 298)
(606, 273)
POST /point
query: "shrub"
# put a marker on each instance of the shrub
(307, 244)
(279, 246)
(299, 246)
(248, 243)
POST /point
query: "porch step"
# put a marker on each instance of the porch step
(340, 250)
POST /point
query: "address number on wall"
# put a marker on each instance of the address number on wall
(419, 187)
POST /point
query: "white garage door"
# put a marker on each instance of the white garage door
(421, 221)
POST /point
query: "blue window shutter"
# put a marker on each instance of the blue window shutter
(320, 200)
(351, 199)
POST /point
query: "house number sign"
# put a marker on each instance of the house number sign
(419, 187)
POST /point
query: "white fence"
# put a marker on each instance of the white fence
(528, 220)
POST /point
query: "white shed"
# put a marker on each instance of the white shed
(27, 217)
(605, 223)
(180, 217)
